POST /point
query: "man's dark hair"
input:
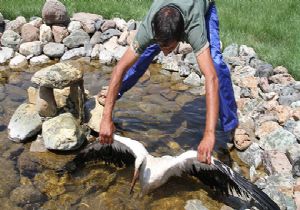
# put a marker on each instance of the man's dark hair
(167, 25)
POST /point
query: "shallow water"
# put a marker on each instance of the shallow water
(165, 120)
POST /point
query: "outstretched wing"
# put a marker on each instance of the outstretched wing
(122, 152)
(221, 178)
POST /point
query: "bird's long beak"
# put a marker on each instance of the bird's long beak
(135, 177)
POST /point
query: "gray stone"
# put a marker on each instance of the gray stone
(55, 13)
(36, 21)
(193, 79)
(295, 104)
(297, 85)
(87, 20)
(54, 50)
(76, 39)
(131, 25)
(194, 204)
(108, 24)
(39, 60)
(246, 51)
(95, 52)
(231, 51)
(74, 26)
(25, 123)
(264, 70)
(119, 52)
(45, 34)
(26, 194)
(59, 76)
(184, 48)
(190, 59)
(290, 125)
(6, 53)
(184, 70)
(96, 38)
(280, 139)
(73, 54)
(105, 57)
(63, 133)
(98, 24)
(31, 48)
(11, 39)
(293, 153)
(120, 24)
(93, 113)
(109, 33)
(17, 62)
(16, 25)
(252, 156)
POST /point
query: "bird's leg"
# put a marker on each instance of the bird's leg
(135, 177)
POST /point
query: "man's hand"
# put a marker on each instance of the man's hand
(107, 128)
(206, 147)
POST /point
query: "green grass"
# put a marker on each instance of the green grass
(271, 27)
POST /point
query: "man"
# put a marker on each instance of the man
(167, 23)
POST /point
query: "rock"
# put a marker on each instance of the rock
(26, 194)
(244, 72)
(264, 70)
(264, 84)
(36, 22)
(193, 79)
(6, 203)
(9, 177)
(120, 24)
(38, 145)
(45, 34)
(284, 79)
(87, 20)
(6, 53)
(295, 104)
(265, 128)
(108, 24)
(184, 48)
(16, 25)
(108, 34)
(74, 54)
(279, 139)
(31, 48)
(74, 26)
(194, 205)
(131, 36)
(170, 62)
(24, 123)
(93, 113)
(231, 51)
(276, 162)
(63, 133)
(246, 51)
(54, 50)
(119, 52)
(95, 52)
(39, 60)
(59, 33)
(55, 13)
(105, 57)
(76, 39)
(252, 156)
(184, 70)
(29, 33)
(19, 61)
(59, 76)
(11, 39)
(293, 153)
(283, 113)
(280, 70)
(123, 38)
(96, 38)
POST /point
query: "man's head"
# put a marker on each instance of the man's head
(168, 27)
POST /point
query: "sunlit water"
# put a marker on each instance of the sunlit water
(165, 120)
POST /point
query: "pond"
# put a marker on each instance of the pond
(167, 116)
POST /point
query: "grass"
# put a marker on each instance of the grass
(271, 27)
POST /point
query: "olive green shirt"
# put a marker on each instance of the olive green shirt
(193, 13)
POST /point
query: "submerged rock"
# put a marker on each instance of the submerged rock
(8, 176)
(63, 133)
(26, 194)
(25, 123)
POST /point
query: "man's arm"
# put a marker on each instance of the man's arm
(106, 126)
(212, 105)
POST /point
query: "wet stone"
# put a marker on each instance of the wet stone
(26, 194)
(8, 176)
(15, 93)
(6, 203)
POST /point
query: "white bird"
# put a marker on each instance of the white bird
(155, 171)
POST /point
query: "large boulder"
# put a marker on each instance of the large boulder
(11, 39)
(31, 48)
(76, 39)
(63, 133)
(54, 50)
(25, 123)
(59, 76)
(55, 13)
